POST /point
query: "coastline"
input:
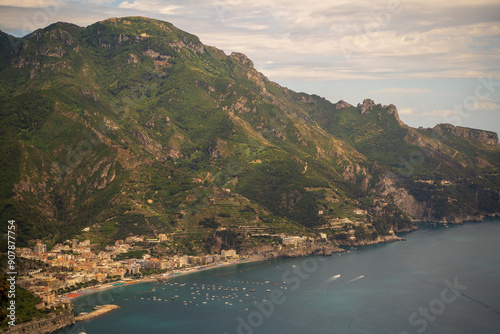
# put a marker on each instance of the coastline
(191, 270)
(108, 286)
(349, 266)
(68, 297)
(460, 220)
(379, 240)
(176, 273)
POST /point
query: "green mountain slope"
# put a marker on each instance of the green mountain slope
(133, 122)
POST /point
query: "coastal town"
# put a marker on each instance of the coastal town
(57, 273)
(74, 267)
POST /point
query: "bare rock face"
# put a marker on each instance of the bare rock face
(342, 104)
(241, 59)
(485, 137)
(304, 249)
(378, 240)
(403, 199)
(149, 144)
(392, 110)
(307, 99)
(368, 104)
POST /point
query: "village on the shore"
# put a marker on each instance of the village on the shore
(75, 268)
(79, 266)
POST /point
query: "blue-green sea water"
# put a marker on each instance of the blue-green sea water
(440, 280)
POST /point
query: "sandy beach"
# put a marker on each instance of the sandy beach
(153, 278)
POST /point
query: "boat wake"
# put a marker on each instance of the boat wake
(355, 279)
(333, 278)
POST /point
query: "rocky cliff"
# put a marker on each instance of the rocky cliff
(378, 240)
(306, 248)
(485, 137)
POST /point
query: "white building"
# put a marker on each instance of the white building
(228, 254)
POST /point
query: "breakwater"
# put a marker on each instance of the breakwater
(96, 313)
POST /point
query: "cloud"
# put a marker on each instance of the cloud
(322, 40)
(402, 91)
(27, 3)
(406, 111)
(126, 4)
(486, 104)
(441, 113)
(145, 5)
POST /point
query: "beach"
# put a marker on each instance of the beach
(152, 278)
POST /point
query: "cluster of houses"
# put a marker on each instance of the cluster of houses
(78, 264)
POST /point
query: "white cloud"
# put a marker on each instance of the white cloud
(486, 104)
(30, 3)
(402, 91)
(441, 113)
(145, 5)
(321, 40)
(406, 111)
(126, 4)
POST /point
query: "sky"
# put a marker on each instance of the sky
(437, 61)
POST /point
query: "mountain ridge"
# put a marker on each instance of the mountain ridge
(134, 121)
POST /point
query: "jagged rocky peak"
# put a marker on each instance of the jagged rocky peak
(368, 104)
(392, 110)
(342, 104)
(241, 59)
(485, 137)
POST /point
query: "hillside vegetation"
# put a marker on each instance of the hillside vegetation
(133, 126)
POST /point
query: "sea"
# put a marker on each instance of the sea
(442, 279)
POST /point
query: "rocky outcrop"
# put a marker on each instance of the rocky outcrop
(241, 59)
(389, 186)
(149, 144)
(367, 105)
(392, 110)
(378, 240)
(306, 248)
(485, 137)
(342, 104)
(464, 217)
(423, 210)
(324, 249)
